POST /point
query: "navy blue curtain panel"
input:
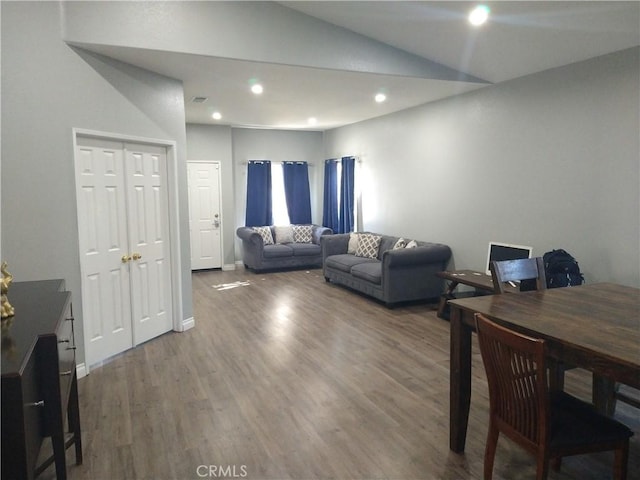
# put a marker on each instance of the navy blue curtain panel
(330, 202)
(296, 191)
(259, 211)
(347, 195)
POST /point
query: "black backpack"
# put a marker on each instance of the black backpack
(561, 269)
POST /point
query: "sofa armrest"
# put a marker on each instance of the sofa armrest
(427, 254)
(410, 273)
(249, 235)
(334, 244)
(317, 231)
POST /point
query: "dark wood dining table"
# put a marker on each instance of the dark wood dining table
(595, 327)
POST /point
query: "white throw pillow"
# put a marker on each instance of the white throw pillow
(368, 245)
(412, 244)
(265, 233)
(284, 234)
(352, 248)
(302, 234)
(401, 243)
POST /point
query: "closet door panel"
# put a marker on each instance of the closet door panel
(148, 222)
(103, 244)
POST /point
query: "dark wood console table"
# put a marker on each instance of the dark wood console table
(481, 282)
(39, 383)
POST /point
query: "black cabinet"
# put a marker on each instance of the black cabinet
(39, 383)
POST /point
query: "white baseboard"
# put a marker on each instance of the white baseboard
(188, 324)
(81, 370)
(229, 266)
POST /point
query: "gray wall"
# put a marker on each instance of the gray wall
(277, 146)
(549, 160)
(212, 142)
(233, 147)
(48, 89)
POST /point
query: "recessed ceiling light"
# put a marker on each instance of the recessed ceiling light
(312, 120)
(256, 88)
(380, 97)
(216, 115)
(479, 15)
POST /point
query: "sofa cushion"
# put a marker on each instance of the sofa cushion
(401, 243)
(305, 249)
(265, 233)
(370, 271)
(277, 251)
(302, 234)
(368, 245)
(284, 233)
(345, 261)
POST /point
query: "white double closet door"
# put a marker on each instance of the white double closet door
(123, 215)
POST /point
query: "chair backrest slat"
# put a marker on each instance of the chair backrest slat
(516, 374)
(517, 271)
(522, 407)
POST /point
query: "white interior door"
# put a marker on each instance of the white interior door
(204, 215)
(148, 207)
(103, 240)
(122, 210)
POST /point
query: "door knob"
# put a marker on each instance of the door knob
(136, 256)
(125, 258)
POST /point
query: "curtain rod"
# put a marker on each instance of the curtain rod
(280, 163)
(357, 159)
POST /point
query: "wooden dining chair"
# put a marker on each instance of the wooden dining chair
(548, 424)
(626, 394)
(525, 271)
(529, 273)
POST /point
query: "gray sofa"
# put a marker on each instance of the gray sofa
(260, 257)
(402, 275)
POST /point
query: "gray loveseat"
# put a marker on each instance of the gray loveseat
(393, 276)
(301, 252)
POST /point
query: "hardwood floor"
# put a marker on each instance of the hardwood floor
(286, 376)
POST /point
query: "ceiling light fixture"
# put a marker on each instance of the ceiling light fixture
(256, 88)
(312, 120)
(479, 15)
(216, 115)
(380, 97)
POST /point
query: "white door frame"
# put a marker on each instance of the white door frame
(219, 203)
(179, 325)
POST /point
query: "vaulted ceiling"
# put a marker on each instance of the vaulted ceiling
(520, 38)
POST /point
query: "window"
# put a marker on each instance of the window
(278, 200)
(339, 206)
(277, 193)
